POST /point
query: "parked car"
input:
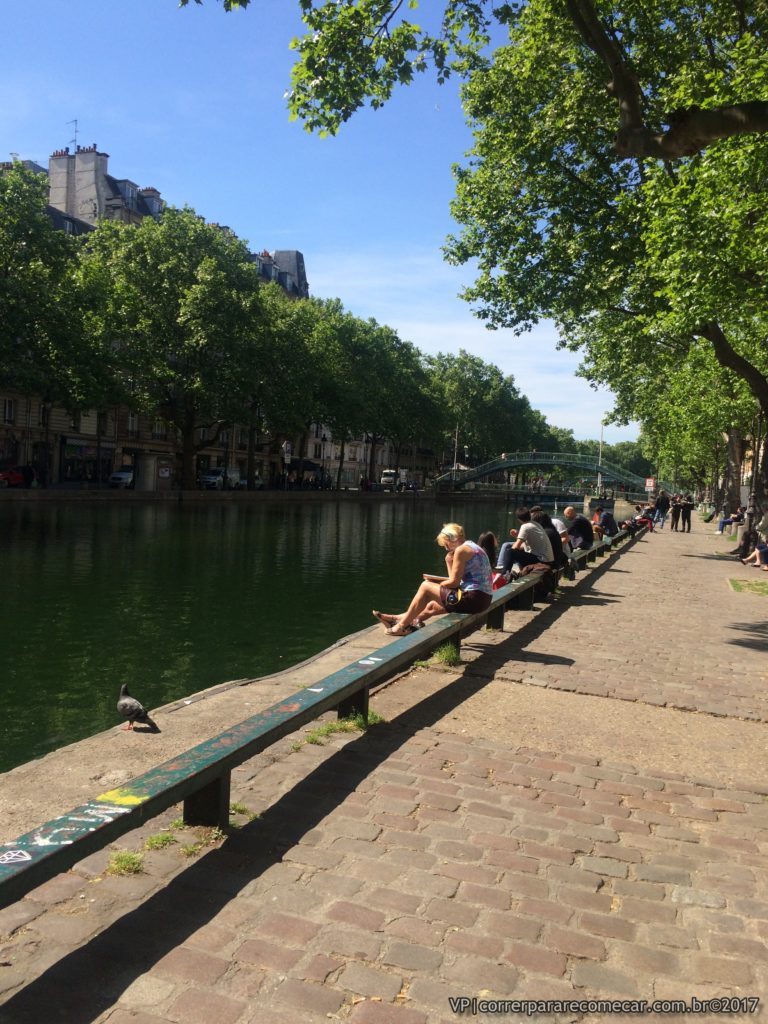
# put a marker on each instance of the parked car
(122, 477)
(13, 477)
(219, 479)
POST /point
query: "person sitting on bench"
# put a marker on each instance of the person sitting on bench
(733, 520)
(466, 589)
(529, 545)
(579, 529)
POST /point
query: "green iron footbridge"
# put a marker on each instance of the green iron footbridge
(590, 464)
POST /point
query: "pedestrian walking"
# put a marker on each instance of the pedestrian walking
(686, 508)
(662, 508)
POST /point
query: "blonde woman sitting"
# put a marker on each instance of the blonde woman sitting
(467, 588)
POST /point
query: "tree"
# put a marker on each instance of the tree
(675, 72)
(179, 302)
(43, 349)
(482, 409)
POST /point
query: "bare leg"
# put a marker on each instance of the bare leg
(385, 618)
(433, 608)
(427, 594)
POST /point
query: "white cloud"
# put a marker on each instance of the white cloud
(416, 292)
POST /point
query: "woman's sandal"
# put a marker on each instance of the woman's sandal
(384, 618)
(401, 630)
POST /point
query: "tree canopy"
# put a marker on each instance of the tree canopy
(618, 176)
(178, 301)
(674, 73)
(42, 348)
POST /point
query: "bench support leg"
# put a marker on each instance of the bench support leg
(209, 805)
(524, 601)
(495, 618)
(357, 704)
(455, 642)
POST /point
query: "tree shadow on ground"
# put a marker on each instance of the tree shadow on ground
(756, 638)
(714, 557)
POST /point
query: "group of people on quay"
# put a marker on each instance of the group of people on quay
(542, 543)
(678, 507)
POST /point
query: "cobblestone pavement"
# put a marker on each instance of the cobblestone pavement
(428, 860)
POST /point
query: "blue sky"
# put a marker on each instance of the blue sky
(191, 101)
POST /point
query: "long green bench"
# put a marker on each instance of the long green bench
(200, 777)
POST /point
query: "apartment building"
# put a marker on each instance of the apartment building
(83, 449)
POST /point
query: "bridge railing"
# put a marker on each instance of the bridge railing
(565, 459)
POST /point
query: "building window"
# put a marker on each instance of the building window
(224, 438)
(318, 454)
(9, 410)
(75, 423)
(133, 424)
(159, 430)
(203, 434)
(102, 423)
(242, 438)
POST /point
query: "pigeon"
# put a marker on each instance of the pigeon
(134, 711)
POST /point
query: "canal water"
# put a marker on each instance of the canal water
(172, 600)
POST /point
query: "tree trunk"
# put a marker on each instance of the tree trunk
(760, 476)
(732, 481)
(253, 420)
(728, 357)
(372, 460)
(188, 452)
(341, 464)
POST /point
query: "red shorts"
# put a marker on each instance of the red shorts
(470, 601)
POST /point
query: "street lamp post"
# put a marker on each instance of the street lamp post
(323, 442)
(600, 462)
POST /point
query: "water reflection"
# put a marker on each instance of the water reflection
(174, 599)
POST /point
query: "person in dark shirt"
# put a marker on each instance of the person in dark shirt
(538, 515)
(579, 529)
(605, 522)
(661, 508)
(686, 507)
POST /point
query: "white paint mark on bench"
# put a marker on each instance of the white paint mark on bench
(14, 857)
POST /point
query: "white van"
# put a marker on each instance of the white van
(389, 479)
(218, 479)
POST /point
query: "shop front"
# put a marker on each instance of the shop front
(81, 462)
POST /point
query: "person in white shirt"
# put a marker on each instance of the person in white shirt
(529, 545)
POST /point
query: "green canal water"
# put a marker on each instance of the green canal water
(175, 599)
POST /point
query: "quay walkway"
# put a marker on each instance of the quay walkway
(578, 811)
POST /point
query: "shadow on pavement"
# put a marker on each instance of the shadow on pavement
(756, 638)
(86, 982)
